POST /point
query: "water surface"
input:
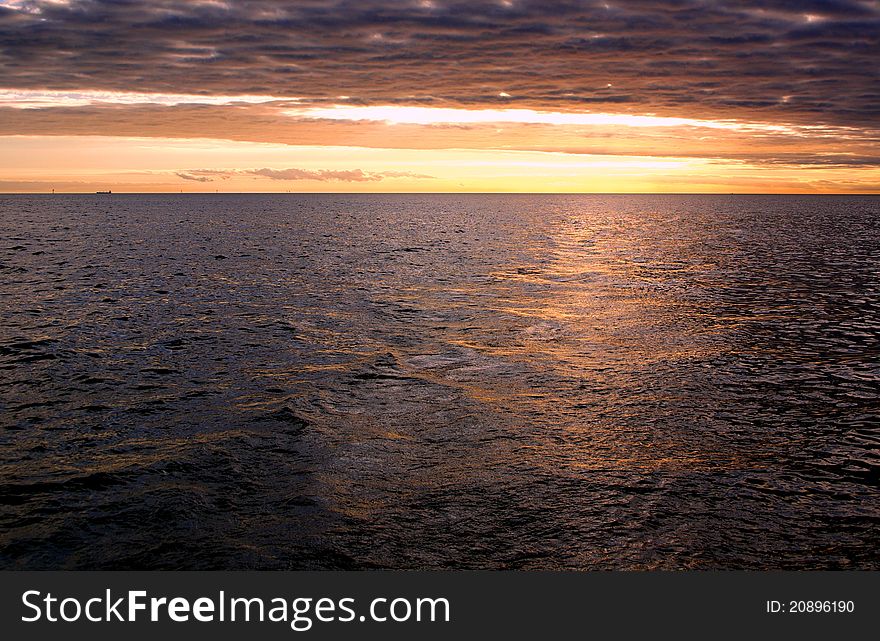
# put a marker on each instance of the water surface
(432, 381)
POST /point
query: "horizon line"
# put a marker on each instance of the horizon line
(438, 193)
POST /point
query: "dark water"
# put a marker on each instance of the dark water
(434, 381)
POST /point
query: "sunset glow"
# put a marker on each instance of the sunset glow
(424, 97)
(436, 116)
(417, 288)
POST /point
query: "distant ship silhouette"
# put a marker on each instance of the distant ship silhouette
(104, 192)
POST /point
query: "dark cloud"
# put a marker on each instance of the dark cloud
(806, 61)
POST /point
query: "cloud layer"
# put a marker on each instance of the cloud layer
(563, 95)
(321, 175)
(807, 61)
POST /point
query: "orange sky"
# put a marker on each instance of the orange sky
(454, 116)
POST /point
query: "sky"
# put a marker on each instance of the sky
(432, 96)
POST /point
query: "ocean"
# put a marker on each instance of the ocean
(439, 381)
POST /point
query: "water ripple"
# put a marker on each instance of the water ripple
(440, 382)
